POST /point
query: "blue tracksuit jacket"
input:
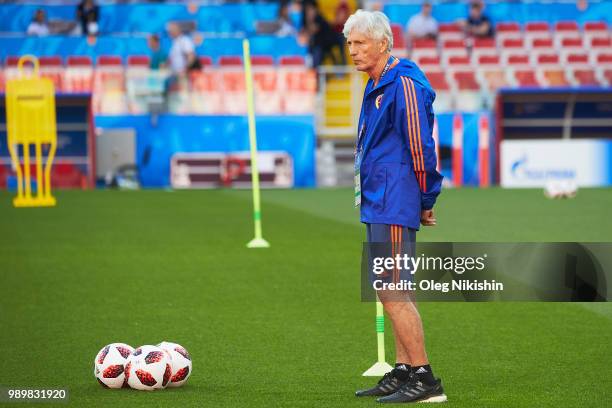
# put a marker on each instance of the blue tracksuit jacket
(398, 159)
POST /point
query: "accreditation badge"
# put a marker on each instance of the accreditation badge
(358, 178)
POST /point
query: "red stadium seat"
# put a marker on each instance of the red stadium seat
(12, 61)
(567, 27)
(438, 80)
(427, 60)
(537, 26)
(547, 59)
(537, 30)
(542, 43)
(262, 60)
(398, 36)
(572, 42)
(80, 61)
(492, 60)
(513, 43)
(607, 75)
(423, 47)
(507, 27)
(448, 31)
(601, 42)
(526, 78)
(298, 88)
(207, 95)
(577, 59)
(292, 60)
(230, 60)
(585, 77)
(139, 61)
(595, 26)
(483, 46)
(518, 59)
(109, 61)
(459, 60)
(466, 81)
(604, 59)
(205, 60)
(54, 61)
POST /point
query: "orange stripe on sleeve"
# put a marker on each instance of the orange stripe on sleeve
(409, 122)
(419, 140)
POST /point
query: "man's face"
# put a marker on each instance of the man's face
(475, 11)
(364, 50)
(173, 30)
(426, 9)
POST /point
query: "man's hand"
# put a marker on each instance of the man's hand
(428, 218)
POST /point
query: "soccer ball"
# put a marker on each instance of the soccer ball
(109, 364)
(148, 368)
(181, 363)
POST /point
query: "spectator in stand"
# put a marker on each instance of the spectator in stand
(322, 38)
(88, 14)
(422, 25)
(343, 12)
(285, 26)
(38, 27)
(182, 57)
(158, 56)
(478, 25)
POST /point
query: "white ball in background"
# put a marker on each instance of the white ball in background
(109, 364)
(181, 363)
(148, 368)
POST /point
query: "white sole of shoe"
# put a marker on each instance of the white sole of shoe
(435, 398)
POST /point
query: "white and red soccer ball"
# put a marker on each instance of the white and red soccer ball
(148, 368)
(109, 365)
(181, 363)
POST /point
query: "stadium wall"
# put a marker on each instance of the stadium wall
(155, 145)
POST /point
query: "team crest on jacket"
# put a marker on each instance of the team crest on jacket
(378, 101)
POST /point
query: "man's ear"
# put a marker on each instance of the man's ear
(384, 44)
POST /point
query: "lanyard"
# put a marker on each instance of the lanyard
(362, 130)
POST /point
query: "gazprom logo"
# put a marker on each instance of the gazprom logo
(522, 169)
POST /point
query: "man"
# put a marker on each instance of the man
(182, 52)
(38, 27)
(88, 13)
(422, 25)
(478, 25)
(396, 184)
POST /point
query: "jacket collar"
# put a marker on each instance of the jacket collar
(389, 77)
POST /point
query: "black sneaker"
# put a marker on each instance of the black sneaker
(416, 391)
(387, 385)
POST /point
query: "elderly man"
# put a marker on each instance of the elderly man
(396, 185)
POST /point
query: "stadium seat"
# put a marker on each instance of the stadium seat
(79, 61)
(267, 90)
(399, 41)
(566, 29)
(438, 81)
(483, 46)
(595, 29)
(292, 60)
(584, 77)
(423, 47)
(205, 61)
(109, 61)
(599, 46)
(206, 95)
(512, 46)
(234, 90)
(450, 31)
(141, 61)
(491, 72)
(451, 48)
(525, 78)
(428, 63)
(607, 76)
(230, 60)
(517, 60)
(507, 30)
(298, 87)
(52, 68)
(466, 80)
(262, 60)
(78, 75)
(551, 72)
(537, 29)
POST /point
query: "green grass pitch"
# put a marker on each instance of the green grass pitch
(282, 326)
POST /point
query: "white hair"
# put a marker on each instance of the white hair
(374, 24)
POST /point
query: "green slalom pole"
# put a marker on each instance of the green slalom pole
(258, 241)
(381, 367)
